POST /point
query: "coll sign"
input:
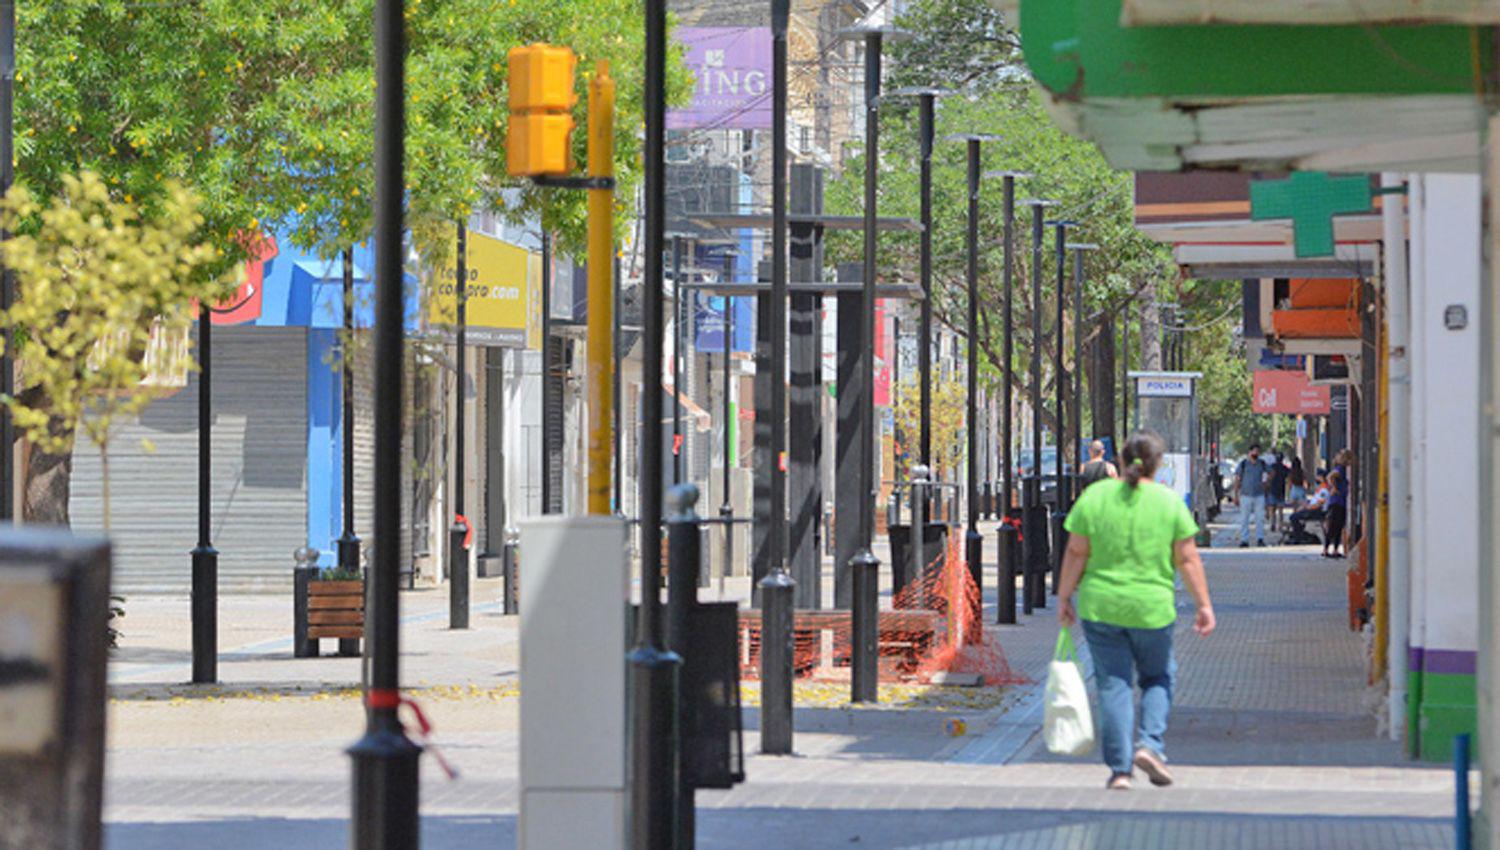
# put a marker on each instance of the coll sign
(1288, 392)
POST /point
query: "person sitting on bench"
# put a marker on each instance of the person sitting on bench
(1315, 508)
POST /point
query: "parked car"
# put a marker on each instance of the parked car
(1049, 471)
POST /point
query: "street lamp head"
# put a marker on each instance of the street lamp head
(1016, 175)
(1081, 246)
(917, 91)
(860, 32)
(973, 137)
(1061, 222)
(1038, 202)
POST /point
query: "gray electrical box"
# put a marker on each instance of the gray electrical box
(574, 595)
(54, 646)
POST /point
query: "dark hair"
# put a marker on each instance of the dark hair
(1142, 455)
(1254, 447)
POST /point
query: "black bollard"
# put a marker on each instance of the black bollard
(776, 660)
(1034, 534)
(865, 630)
(1059, 545)
(1006, 598)
(684, 551)
(974, 557)
(509, 564)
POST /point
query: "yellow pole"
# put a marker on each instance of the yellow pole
(601, 147)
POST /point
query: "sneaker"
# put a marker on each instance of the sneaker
(1118, 782)
(1261, 543)
(1154, 767)
(1244, 544)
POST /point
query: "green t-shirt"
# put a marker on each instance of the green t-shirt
(1128, 581)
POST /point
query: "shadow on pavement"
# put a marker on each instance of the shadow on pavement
(455, 831)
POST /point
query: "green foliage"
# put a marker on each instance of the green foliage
(339, 574)
(318, 148)
(103, 307)
(266, 109)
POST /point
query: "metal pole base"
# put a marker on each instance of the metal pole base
(655, 767)
(205, 615)
(1059, 545)
(385, 787)
(458, 577)
(974, 557)
(987, 501)
(865, 631)
(776, 662)
(1006, 595)
(348, 549)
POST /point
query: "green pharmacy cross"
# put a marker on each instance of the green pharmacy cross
(1310, 199)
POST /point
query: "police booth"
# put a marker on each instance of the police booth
(1167, 403)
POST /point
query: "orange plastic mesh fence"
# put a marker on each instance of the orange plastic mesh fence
(934, 625)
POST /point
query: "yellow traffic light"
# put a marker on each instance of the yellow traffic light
(542, 98)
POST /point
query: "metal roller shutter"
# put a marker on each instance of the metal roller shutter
(259, 472)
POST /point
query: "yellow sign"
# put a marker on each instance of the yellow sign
(501, 281)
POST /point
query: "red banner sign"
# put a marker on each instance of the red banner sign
(1278, 391)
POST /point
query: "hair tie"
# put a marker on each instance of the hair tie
(1137, 462)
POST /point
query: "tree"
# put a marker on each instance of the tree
(264, 110)
(317, 149)
(103, 312)
(949, 417)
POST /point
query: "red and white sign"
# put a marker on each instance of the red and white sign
(1279, 391)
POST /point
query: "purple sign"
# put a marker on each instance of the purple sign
(731, 67)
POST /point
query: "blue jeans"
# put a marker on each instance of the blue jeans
(1252, 506)
(1121, 654)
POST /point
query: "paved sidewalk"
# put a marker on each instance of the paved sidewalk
(1272, 740)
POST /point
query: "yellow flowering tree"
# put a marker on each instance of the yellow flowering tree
(105, 290)
(949, 410)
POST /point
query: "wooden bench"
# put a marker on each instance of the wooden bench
(820, 639)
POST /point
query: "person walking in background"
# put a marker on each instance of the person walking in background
(1128, 537)
(1096, 468)
(1250, 495)
(1276, 478)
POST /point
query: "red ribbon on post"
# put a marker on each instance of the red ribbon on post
(388, 698)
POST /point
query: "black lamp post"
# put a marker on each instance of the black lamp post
(1010, 536)
(7, 281)
(926, 133)
(653, 688)
(385, 761)
(1060, 394)
(348, 544)
(973, 540)
(458, 547)
(1034, 511)
(777, 587)
(726, 509)
(1078, 249)
(864, 566)
(205, 599)
(677, 337)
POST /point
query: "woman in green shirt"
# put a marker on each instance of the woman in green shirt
(1127, 539)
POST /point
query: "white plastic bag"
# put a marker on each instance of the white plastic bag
(1067, 722)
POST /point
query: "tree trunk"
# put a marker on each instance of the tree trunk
(1150, 332)
(48, 485)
